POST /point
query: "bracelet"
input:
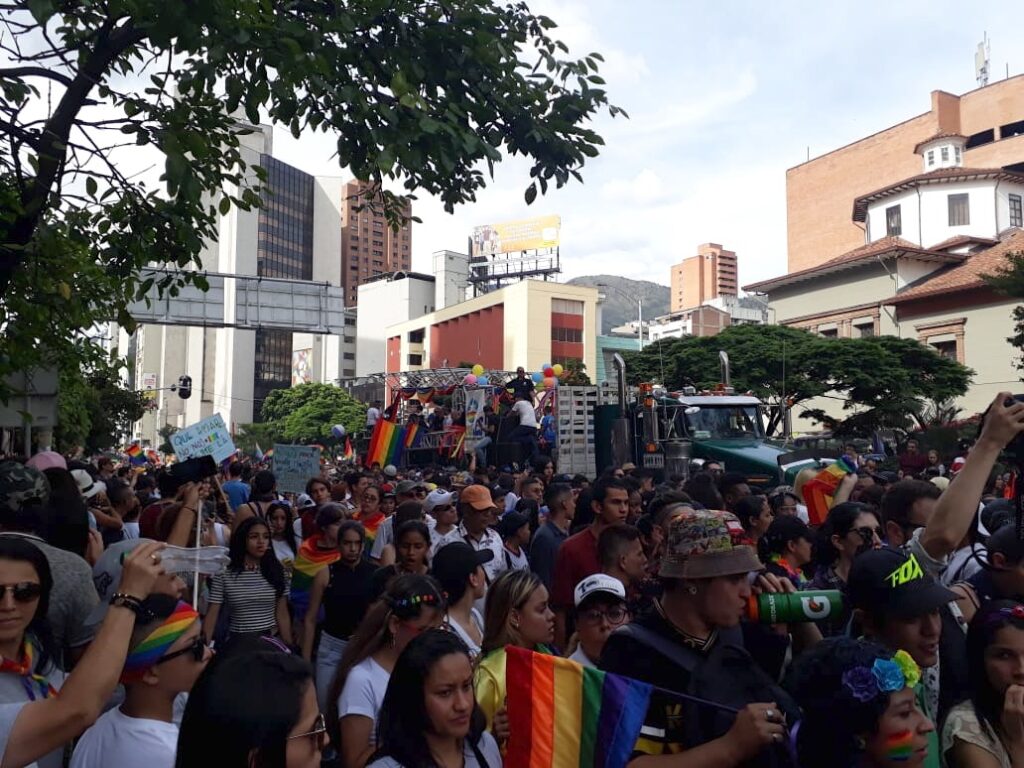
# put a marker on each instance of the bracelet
(132, 603)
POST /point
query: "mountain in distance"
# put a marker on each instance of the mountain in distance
(619, 306)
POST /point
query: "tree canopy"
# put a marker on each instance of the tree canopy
(881, 380)
(305, 414)
(1010, 281)
(93, 409)
(425, 95)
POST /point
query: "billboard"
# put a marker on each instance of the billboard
(513, 236)
(149, 385)
(301, 366)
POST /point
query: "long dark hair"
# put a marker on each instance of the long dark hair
(270, 567)
(403, 599)
(839, 522)
(242, 709)
(991, 617)
(20, 550)
(403, 720)
(289, 530)
(833, 717)
(67, 518)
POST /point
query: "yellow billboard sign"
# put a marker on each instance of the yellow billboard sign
(513, 236)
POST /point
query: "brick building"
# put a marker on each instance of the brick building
(369, 246)
(698, 279)
(819, 192)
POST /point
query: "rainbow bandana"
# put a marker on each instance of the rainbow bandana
(155, 645)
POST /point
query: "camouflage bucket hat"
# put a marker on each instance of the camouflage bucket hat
(20, 485)
(704, 543)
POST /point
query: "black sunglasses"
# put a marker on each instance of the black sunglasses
(22, 592)
(867, 533)
(197, 648)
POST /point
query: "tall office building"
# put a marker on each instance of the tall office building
(708, 275)
(369, 246)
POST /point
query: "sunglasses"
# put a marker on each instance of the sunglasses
(22, 592)
(318, 733)
(197, 648)
(867, 533)
(442, 508)
(615, 616)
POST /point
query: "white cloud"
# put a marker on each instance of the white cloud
(645, 188)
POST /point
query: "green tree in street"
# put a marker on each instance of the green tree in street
(1010, 281)
(94, 411)
(575, 374)
(304, 414)
(880, 380)
(426, 95)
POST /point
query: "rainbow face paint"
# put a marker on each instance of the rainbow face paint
(899, 746)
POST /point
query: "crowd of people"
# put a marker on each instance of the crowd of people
(365, 621)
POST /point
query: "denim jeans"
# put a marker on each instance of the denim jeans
(481, 450)
(328, 656)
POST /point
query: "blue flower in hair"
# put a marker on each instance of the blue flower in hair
(889, 675)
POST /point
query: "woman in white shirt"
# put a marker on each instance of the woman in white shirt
(430, 710)
(459, 569)
(282, 537)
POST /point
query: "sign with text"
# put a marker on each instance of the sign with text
(209, 437)
(539, 233)
(294, 465)
(149, 385)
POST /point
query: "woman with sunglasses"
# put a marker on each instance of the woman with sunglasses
(849, 529)
(254, 708)
(35, 723)
(253, 587)
(370, 514)
(166, 656)
(410, 605)
(429, 717)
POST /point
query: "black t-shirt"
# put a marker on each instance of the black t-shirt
(348, 595)
(521, 387)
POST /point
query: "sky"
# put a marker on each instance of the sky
(723, 97)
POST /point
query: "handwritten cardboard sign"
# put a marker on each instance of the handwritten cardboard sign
(294, 465)
(209, 437)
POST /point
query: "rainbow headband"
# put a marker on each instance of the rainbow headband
(155, 645)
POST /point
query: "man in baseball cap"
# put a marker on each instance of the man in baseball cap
(478, 513)
(600, 602)
(440, 508)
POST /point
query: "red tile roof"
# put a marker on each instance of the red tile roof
(895, 246)
(964, 276)
(936, 137)
(860, 205)
(958, 240)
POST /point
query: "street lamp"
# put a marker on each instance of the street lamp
(639, 310)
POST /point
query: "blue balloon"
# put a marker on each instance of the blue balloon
(538, 377)
(546, 365)
(338, 431)
(482, 380)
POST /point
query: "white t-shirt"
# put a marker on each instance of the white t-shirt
(454, 626)
(581, 658)
(514, 562)
(364, 692)
(438, 540)
(527, 416)
(131, 530)
(8, 714)
(119, 741)
(488, 748)
(372, 414)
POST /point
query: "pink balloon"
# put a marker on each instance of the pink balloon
(470, 379)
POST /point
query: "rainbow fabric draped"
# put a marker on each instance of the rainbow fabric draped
(818, 491)
(308, 563)
(36, 686)
(370, 525)
(562, 715)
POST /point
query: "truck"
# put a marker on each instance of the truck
(676, 431)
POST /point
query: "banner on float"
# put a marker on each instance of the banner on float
(294, 465)
(209, 437)
(476, 399)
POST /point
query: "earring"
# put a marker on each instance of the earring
(691, 589)
(859, 743)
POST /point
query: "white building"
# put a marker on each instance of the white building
(296, 236)
(386, 300)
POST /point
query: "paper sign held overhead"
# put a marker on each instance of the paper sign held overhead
(209, 437)
(294, 465)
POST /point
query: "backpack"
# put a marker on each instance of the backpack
(728, 676)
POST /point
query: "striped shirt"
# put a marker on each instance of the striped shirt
(251, 600)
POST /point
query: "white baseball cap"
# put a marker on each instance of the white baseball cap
(437, 498)
(599, 582)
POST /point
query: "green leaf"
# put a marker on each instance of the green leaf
(91, 186)
(225, 205)
(531, 193)
(385, 160)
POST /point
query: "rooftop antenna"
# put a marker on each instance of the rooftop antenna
(981, 61)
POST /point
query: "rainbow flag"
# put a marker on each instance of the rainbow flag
(349, 453)
(599, 715)
(370, 526)
(819, 490)
(409, 435)
(134, 450)
(308, 562)
(385, 444)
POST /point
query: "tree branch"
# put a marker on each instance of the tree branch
(13, 73)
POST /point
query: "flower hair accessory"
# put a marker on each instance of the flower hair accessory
(1001, 615)
(882, 677)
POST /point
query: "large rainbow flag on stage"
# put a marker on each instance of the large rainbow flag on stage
(562, 715)
(386, 444)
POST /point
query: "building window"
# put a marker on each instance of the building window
(416, 337)
(415, 359)
(1016, 216)
(348, 372)
(829, 333)
(945, 348)
(957, 154)
(959, 210)
(865, 330)
(945, 154)
(931, 157)
(893, 221)
(567, 334)
(567, 306)
(349, 356)
(350, 321)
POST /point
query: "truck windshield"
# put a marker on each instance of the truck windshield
(721, 421)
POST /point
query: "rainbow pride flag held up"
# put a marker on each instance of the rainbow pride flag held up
(385, 444)
(349, 453)
(308, 562)
(562, 715)
(818, 492)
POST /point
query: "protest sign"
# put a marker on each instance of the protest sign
(476, 399)
(209, 437)
(294, 465)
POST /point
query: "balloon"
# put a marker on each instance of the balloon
(538, 377)
(549, 372)
(483, 381)
(338, 430)
(557, 368)
(546, 365)
(470, 379)
(478, 369)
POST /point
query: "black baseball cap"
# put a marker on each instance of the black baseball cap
(454, 562)
(890, 582)
(511, 522)
(784, 529)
